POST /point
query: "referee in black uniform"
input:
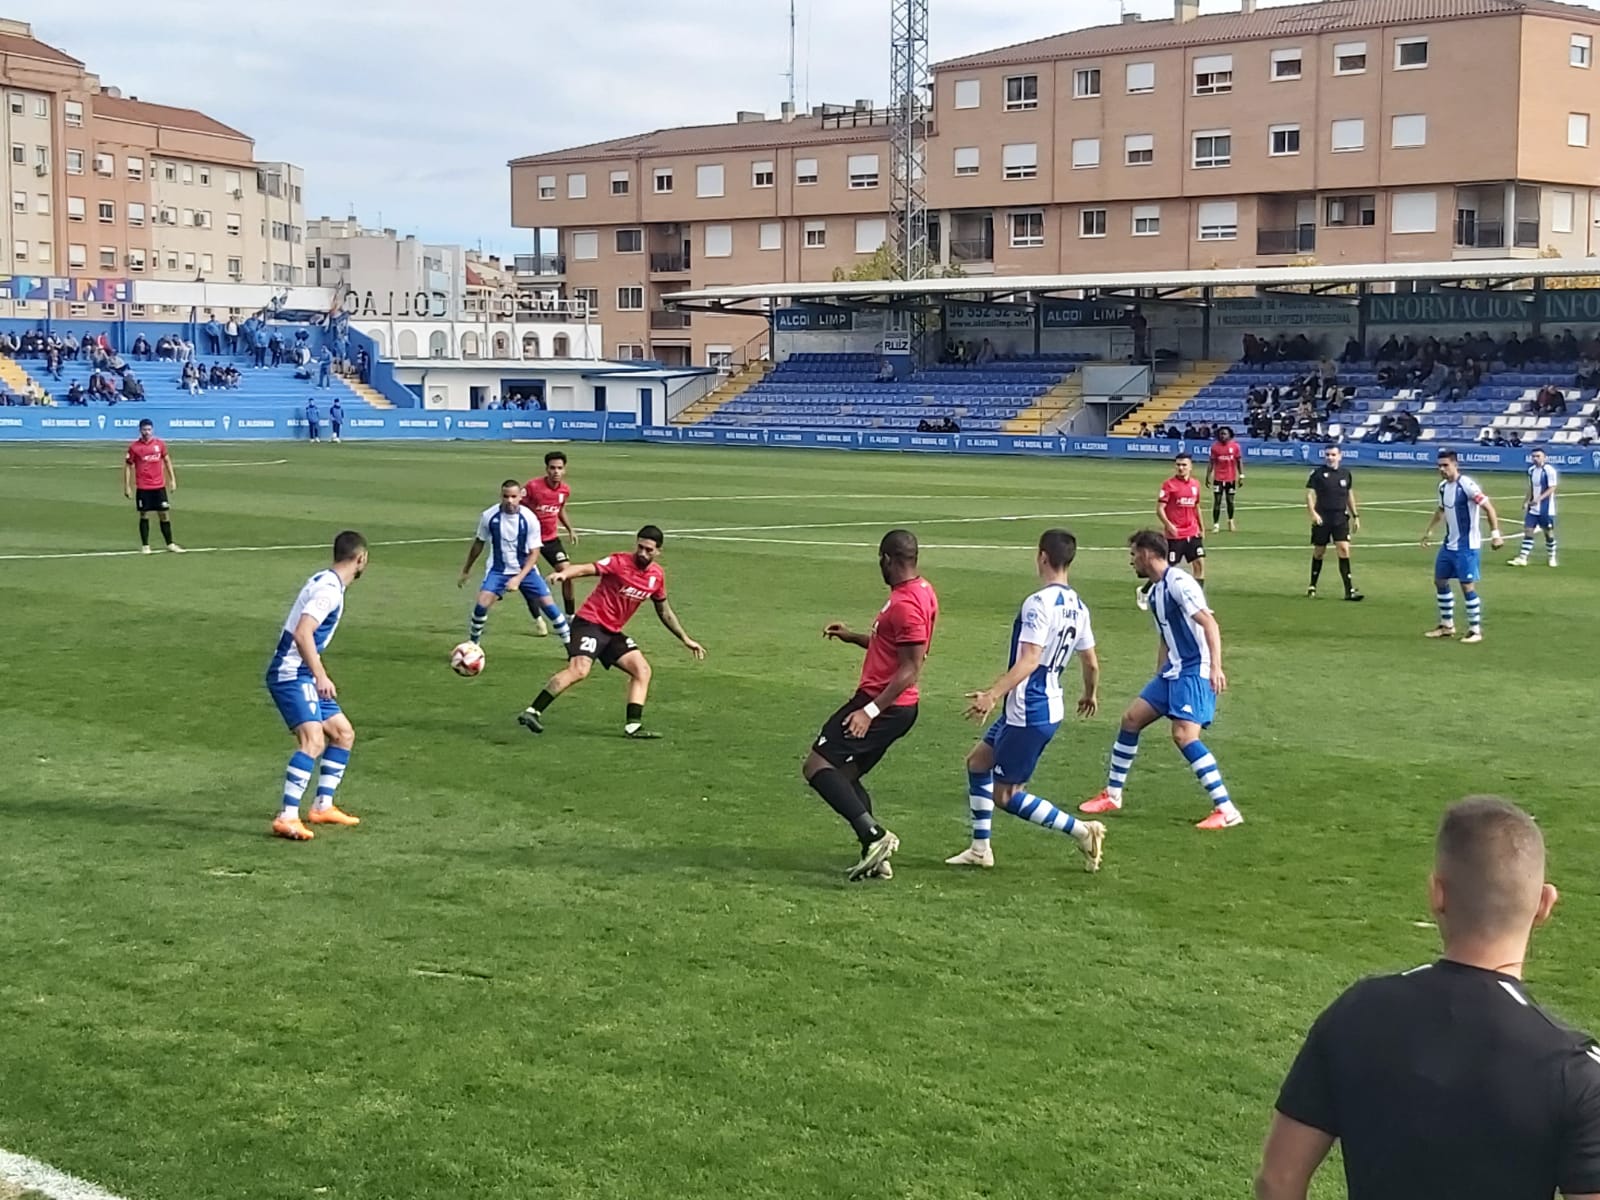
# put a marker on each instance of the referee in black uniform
(1331, 500)
(1448, 1082)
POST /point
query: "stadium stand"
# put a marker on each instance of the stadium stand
(845, 391)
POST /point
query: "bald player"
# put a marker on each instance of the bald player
(1448, 1082)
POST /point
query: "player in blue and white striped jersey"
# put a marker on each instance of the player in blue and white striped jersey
(307, 699)
(1051, 627)
(1539, 509)
(512, 535)
(1460, 500)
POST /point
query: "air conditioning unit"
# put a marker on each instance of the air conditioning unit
(238, 194)
(41, 169)
(237, 277)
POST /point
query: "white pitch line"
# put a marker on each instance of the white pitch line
(268, 462)
(31, 1175)
(215, 550)
(774, 541)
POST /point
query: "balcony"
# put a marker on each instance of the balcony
(1526, 236)
(1472, 234)
(667, 318)
(669, 264)
(972, 250)
(1301, 240)
(536, 266)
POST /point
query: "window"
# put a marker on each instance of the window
(78, 256)
(1141, 77)
(967, 160)
(763, 174)
(771, 235)
(585, 246)
(630, 352)
(967, 93)
(1577, 129)
(1414, 212)
(1213, 75)
(19, 203)
(589, 297)
(1409, 130)
(1085, 153)
(547, 187)
(41, 204)
(108, 257)
(630, 241)
(863, 170)
(19, 153)
(577, 187)
(816, 234)
(1580, 53)
(44, 252)
(1086, 83)
(663, 178)
(235, 266)
(630, 299)
(21, 249)
(1348, 135)
(169, 172)
(231, 224)
(74, 162)
(41, 107)
(708, 180)
(231, 183)
(1286, 64)
(1027, 229)
(202, 220)
(107, 212)
(719, 241)
(1562, 207)
(1146, 220)
(620, 183)
(188, 172)
(1350, 58)
(205, 176)
(1022, 92)
(135, 214)
(17, 103)
(172, 260)
(1213, 148)
(72, 111)
(805, 172)
(1283, 140)
(136, 261)
(871, 232)
(1020, 160)
(135, 169)
(1410, 54)
(1092, 222)
(206, 264)
(188, 223)
(1219, 221)
(41, 158)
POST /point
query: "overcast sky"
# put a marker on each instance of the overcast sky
(406, 111)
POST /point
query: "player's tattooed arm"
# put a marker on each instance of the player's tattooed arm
(675, 628)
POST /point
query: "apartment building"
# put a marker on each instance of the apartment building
(1344, 131)
(388, 275)
(110, 187)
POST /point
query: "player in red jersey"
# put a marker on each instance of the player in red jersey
(883, 710)
(146, 471)
(626, 581)
(1178, 506)
(1224, 476)
(546, 498)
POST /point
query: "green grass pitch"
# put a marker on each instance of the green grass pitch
(576, 966)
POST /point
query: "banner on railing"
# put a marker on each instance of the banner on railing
(176, 423)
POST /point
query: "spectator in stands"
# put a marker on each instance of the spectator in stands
(1352, 352)
(1144, 429)
(1512, 353)
(132, 389)
(1408, 428)
(325, 367)
(1550, 401)
(1588, 376)
(885, 371)
(987, 353)
(1389, 351)
(1189, 431)
(52, 361)
(1437, 379)
(76, 394)
(303, 371)
(141, 349)
(258, 341)
(230, 335)
(213, 332)
(1565, 346)
(215, 378)
(313, 420)
(1587, 435)
(1327, 375)
(1536, 349)
(1487, 435)
(1203, 432)
(335, 417)
(1252, 349)
(1514, 440)
(164, 348)
(275, 347)
(364, 366)
(1140, 327)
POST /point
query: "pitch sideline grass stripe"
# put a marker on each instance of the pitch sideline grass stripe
(34, 1177)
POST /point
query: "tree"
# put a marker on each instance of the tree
(882, 264)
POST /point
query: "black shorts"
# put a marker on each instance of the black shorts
(1226, 488)
(1330, 531)
(1186, 549)
(554, 553)
(604, 647)
(151, 500)
(863, 754)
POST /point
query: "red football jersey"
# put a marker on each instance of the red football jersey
(907, 619)
(147, 459)
(622, 588)
(1225, 458)
(546, 503)
(1180, 504)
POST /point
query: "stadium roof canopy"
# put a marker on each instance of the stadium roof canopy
(1155, 285)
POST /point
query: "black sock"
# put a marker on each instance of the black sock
(1316, 571)
(166, 531)
(1344, 573)
(840, 793)
(1230, 506)
(863, 795)
(569, 606)
(1216, 508)
(543, 701)
(144, 531)
(635, 714)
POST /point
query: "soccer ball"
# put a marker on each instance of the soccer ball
(467, 659)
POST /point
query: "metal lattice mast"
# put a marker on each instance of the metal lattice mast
(913, 118)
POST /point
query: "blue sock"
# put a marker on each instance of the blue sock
(980, 798)
(1474, 611)
(480, 618)
(295, 781)
(1447, 606)
(334, 761)
(1040, 811)
(1204, 765)
(558, 620)
(1122, 752)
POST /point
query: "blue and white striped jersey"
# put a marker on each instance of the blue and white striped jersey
(322, 598)
(509, 536)
(1462, 500)
(1539, 479)
(1174, 603)
(1055, 619)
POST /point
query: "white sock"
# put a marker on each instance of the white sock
(1227, 809)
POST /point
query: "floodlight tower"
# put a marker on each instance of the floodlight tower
(912, 117)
